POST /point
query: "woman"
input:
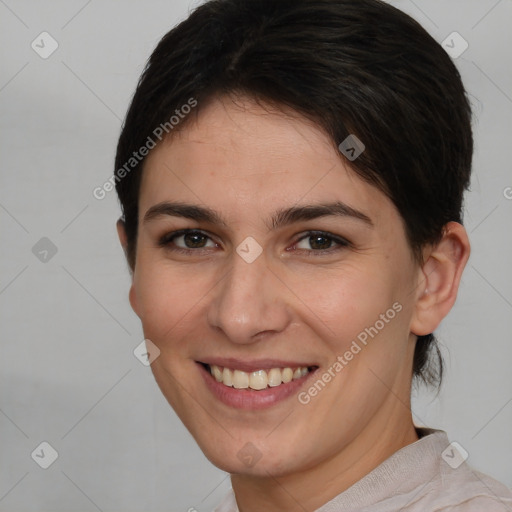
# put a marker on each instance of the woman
(291, 175)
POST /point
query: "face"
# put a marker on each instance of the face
(260, 250)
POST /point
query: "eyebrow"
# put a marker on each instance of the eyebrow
(280, 218)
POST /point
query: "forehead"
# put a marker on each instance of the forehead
(241, 156)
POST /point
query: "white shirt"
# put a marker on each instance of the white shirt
(428, 475)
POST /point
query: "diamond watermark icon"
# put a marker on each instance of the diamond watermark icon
(352, 147)
(44, 45)
(249, 455)
(249, 249)
(44, 250)
(455, 45)
(44, 455)
(454, 455)
(146, 352)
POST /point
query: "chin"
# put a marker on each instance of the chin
(258, 458)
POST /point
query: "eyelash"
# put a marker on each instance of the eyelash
(169, 238)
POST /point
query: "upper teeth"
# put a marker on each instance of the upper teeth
(259, 379)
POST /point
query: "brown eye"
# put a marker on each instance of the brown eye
(194, 240)
(319, 241)
(187, 240)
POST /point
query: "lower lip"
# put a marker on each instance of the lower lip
(251, 399)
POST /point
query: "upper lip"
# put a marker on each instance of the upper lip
(252, 365)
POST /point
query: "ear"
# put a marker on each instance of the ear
(123, 239)
(121, 233)
(439, 279)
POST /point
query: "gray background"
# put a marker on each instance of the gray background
(68, 373)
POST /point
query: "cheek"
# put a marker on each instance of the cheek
(341, 303)
(168, 300)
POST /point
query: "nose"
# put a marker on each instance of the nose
(249, 301)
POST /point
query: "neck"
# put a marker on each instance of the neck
(310, 489)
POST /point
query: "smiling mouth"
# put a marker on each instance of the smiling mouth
(257, 380)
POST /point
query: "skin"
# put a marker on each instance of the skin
(245, 161)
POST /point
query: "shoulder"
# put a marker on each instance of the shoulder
(467, 490)
(441, 480)
(479, 504)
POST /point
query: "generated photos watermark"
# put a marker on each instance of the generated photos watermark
(156, 136)
(362, 338)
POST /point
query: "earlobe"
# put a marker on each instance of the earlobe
(440, 278)
(121, 232)
(132, 296)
